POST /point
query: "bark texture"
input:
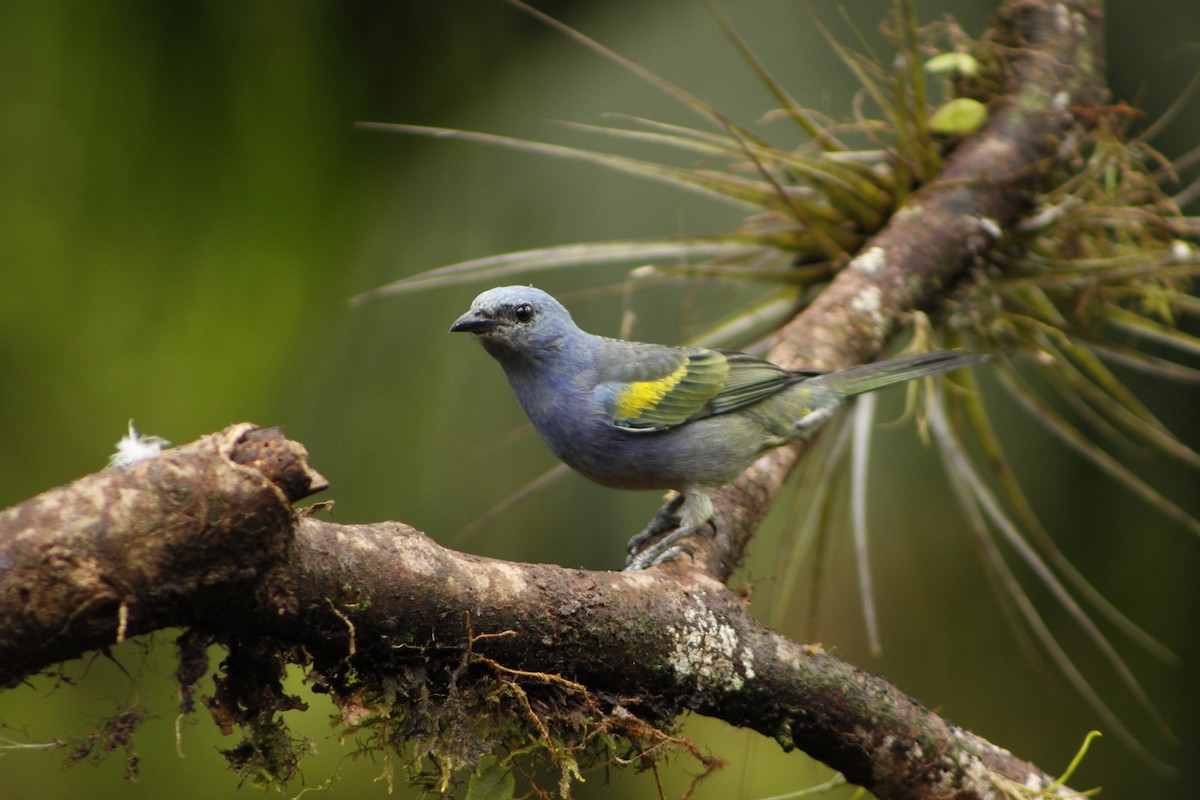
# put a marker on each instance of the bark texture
(205, 536)
(168, 541)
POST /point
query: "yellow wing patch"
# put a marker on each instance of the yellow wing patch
(640, 396)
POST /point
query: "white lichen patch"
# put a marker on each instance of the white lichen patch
(747, 657)
(506, 581)
(980, 778)
(869, 302)
(967, 768)
(871, 261)
(503, 584)
(961, 770)
(708, 652)
(1035, 782)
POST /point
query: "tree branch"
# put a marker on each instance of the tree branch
(203, 536)
(937, 234)
(168, 541)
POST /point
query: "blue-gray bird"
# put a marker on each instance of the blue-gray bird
(650, 416)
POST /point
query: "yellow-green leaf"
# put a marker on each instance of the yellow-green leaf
(960, 116)
(952, 64)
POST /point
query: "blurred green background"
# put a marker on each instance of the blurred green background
(185, 208)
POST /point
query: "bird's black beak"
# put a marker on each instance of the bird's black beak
(473, 322)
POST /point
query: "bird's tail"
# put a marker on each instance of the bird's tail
(869, 377)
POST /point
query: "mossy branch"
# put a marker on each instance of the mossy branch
(204, 536)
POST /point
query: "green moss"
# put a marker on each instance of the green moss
(438, 722)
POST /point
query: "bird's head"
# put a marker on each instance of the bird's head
(517, 320)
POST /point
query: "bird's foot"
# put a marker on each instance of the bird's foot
(685, 514)
(665, 519)
(660, 552)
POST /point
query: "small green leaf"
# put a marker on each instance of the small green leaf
(492, 782)
(960, 116)
(952, 64)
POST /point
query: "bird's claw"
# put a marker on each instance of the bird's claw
(672, 526)
(665, 519)
(659, 553)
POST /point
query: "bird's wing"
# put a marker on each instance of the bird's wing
(750, 380)
(691, 384)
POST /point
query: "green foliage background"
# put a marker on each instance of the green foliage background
(185, 208)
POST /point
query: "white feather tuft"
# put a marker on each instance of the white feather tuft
(134, 447)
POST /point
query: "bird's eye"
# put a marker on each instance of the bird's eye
(523, 312)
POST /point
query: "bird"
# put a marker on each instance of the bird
(635, 415)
